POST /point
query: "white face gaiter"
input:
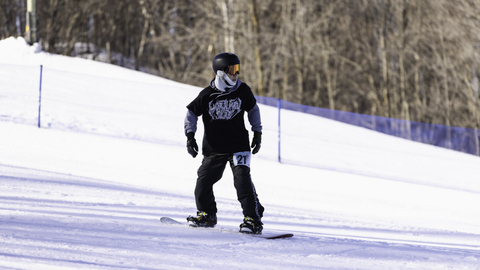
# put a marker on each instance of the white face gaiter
(224, 83)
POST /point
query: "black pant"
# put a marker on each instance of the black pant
(211, 171)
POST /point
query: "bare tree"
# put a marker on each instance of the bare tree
(12, 18)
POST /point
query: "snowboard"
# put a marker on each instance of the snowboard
(173, 222)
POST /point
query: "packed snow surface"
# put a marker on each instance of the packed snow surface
(87, 189)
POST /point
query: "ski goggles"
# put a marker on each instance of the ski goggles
(232, 70)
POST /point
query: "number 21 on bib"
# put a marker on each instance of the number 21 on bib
(242, 158)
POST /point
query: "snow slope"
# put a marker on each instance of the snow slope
(86, 190)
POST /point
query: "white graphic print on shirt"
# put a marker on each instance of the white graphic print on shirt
(224, 109)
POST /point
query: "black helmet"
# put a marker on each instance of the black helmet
(223, 60)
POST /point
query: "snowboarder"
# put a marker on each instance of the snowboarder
(222, 105)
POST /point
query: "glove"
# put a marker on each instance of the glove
(256, 142)
(192, 147)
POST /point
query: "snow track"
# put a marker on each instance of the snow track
(86, 190)
(57, 221)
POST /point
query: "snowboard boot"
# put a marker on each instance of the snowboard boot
(202, 219)
(251, 226)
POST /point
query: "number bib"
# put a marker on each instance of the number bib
(242, 158)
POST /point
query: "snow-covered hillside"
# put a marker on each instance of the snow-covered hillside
(86, 190)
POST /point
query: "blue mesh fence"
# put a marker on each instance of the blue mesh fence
(456, 138)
